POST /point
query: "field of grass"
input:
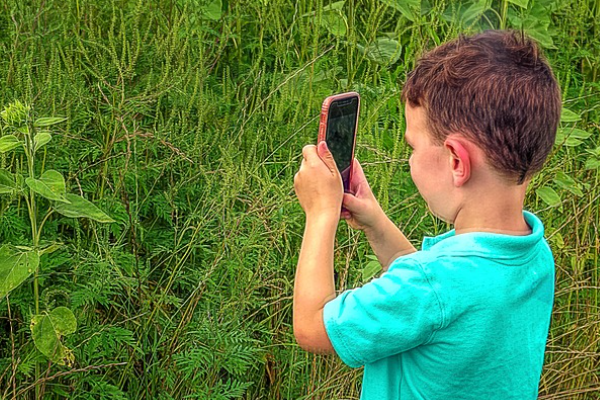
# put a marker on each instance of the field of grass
(185, 121)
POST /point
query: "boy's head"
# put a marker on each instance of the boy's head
(496, 90)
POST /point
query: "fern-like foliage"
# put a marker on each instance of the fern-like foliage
(217, 365)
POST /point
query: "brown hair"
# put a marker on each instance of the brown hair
(496, 89)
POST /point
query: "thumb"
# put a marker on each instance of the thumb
(326, 156)
(350, 202)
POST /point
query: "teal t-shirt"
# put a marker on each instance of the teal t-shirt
(466, 317)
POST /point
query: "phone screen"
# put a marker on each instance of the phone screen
(341, 124)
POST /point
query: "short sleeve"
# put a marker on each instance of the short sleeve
(391, 314)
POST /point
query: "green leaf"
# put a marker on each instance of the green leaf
(520, 3)
(567, 115)
(51, 185)
(8, 143)
(335, 23)
(579, 134)
(213, 10)
(573, 142)
(541, 35)
(50, 248)
(338, 5)
(425, 7)
(47, 330)
(571, 137)
(370, 269)
(558, 240)
(383, 51)
(592, 163)
(79, 207)
(539, 15)
(41, 139)
(548, 196)
(576, 137)
(475, 11)
(47, 121)
(64, 321)
(15, 113)
(595, 152)
(7, 182)
(560, 136)
(566, 182)
(409, 8)
(15, 267)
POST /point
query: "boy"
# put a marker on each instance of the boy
(466, 317)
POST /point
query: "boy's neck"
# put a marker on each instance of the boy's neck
(496, 211)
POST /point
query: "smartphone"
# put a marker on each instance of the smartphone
(339, 121)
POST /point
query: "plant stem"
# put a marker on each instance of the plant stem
(48, 214)
(33, 213)
(503, 16)
(29, 152)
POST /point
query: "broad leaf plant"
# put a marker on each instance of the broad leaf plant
(19, 131)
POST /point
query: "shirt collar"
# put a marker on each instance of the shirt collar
(500, 244)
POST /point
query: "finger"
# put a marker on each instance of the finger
(309, 151)
(296, 177)
(358, 179)
(326, 156)
(358, 172)
(357, 165)
(350, 202)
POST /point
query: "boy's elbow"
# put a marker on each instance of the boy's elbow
(314, 342)
(301, 339)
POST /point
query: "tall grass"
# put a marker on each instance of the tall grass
(186, 120)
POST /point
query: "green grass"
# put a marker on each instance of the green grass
(185, 123)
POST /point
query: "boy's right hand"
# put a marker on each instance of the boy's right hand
(362, 211)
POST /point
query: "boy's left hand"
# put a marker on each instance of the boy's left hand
(318, 183)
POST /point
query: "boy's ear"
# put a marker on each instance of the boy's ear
(460, 159)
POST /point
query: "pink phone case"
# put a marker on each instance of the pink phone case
(323, 128)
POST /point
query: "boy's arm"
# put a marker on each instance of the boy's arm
(387, 241)
(319, 188)
(363, 212)
(314, 285)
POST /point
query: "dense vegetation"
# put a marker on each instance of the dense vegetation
(183, 121)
